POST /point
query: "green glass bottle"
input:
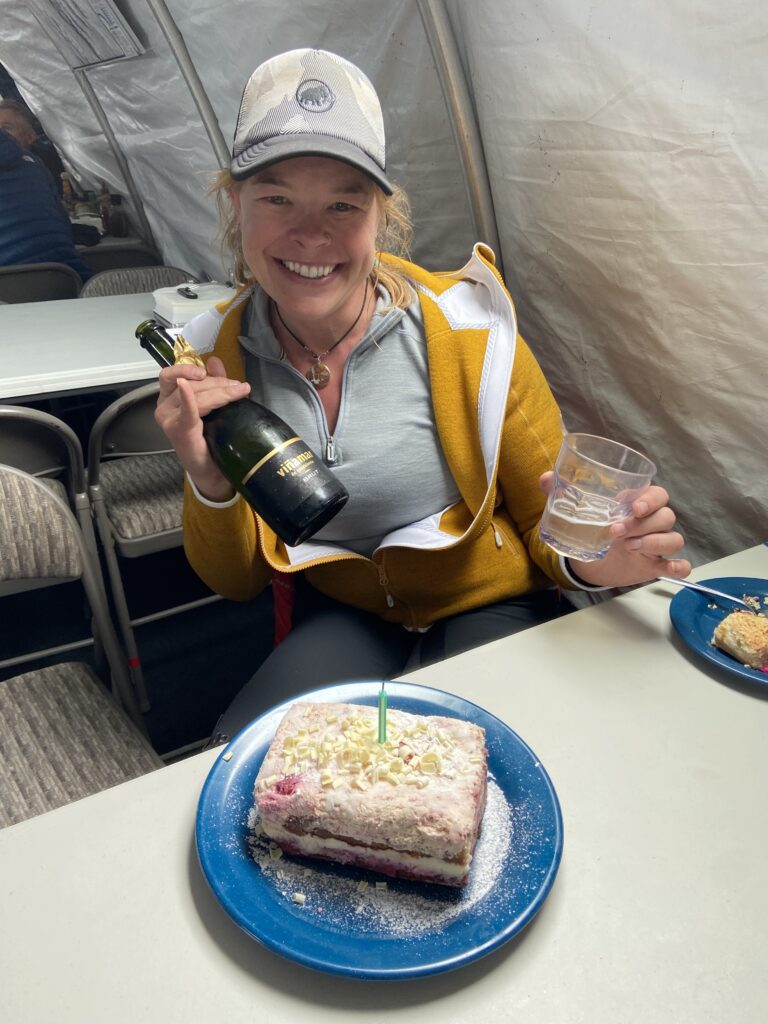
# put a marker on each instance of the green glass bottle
(273, 469)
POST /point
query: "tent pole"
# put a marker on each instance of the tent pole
(463, 120)
(98, 111)
(181, 55)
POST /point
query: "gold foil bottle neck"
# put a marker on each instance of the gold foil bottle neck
(185, 354)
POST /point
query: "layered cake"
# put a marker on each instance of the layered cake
(410, 807)
(745, 637)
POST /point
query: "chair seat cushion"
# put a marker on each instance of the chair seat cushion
(143, 494)
(63, 738)
(42, 548)
(55, 487)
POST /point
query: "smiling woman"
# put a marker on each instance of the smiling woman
(322, 221)
(394, 232)
(414, 386)
(309, 230)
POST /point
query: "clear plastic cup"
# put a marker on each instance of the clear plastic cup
(596, 481)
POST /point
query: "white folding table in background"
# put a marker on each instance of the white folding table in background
(71, 346)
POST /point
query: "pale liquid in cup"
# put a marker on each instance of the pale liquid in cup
(595, 482)
(581, 532)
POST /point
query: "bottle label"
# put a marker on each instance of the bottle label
(290, 466)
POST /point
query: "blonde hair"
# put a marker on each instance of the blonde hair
(393, 237)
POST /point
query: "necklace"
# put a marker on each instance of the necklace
(319, 374)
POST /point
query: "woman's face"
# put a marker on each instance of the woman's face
(308, 228)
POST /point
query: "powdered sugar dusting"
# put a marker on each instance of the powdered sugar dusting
(346, 898)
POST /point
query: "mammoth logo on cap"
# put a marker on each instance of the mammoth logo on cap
(315, 96)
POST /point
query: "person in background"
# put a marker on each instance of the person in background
(20, 123)
(34, 227)
(414, 386)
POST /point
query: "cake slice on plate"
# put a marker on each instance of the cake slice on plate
(410, 807)
(745, 637)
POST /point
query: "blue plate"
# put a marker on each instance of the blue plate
(695, 616)
(323, 934)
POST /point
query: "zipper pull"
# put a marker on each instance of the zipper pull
(385, 583)
(497, 536)
(330, 451)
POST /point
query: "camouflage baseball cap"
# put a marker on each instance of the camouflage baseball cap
(309, 103)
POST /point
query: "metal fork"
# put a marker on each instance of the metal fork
(707, 590)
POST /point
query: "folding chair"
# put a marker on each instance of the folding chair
(62, 737)
(130, 280)
(38, 282)
(48, 448)
(136, 490)
(114, 256)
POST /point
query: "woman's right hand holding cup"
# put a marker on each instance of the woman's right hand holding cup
(187, 393)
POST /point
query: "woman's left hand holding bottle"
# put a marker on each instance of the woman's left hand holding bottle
(187, 393)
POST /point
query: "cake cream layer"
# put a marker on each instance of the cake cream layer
(422, 793)
(388, 862)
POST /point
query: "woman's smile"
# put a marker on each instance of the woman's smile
(312, 271)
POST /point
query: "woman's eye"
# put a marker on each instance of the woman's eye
(275, 200)
(342, 207)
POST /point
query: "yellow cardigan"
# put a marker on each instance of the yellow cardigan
(500, 428)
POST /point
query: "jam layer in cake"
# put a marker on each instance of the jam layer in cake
(410, 807)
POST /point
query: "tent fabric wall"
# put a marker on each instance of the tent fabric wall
(626, 149)
(50, 89)
(170, 156)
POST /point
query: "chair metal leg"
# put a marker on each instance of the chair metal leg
(121, 606)
(85, 519)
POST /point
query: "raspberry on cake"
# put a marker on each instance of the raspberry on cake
(410, 807)
(745, 637)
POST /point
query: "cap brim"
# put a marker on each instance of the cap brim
(271, 151)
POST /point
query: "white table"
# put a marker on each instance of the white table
(72, 345)
(659, 912)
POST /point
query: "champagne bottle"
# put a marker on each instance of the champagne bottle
(263, 459)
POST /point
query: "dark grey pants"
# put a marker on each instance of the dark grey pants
(334, 643)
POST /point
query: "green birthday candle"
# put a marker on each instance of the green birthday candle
(382, 715)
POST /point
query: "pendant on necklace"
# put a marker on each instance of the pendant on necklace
(319, 375)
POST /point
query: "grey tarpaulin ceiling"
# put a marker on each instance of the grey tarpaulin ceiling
(627, 153)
